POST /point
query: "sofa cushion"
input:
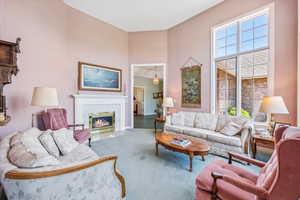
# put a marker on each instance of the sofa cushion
(47, 141)
(177, 119)
(206, 121)
(197, 132)
(65, 141)
(80, 153)
(224, 139)
(189, 119)
(231, 129)
(174, 128)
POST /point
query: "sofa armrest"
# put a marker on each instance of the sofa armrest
(246, 133)
(168, 119)
(100, 176)
(259, 191)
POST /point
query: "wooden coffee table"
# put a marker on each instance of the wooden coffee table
(196, 148)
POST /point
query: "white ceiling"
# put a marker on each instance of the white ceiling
(142, 15)
(149, 72)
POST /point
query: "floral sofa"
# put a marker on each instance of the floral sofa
(209, 127)
(80, 174)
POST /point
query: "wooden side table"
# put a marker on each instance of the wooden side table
(258, 140)
(158, 120)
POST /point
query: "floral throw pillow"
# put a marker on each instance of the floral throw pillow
(65, 141)
(47, 141)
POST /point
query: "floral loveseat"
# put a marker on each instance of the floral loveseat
(209, 127)
(80, 174)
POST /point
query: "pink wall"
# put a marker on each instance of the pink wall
(193, 38)
(54, 38)
(148, 47)
(286, 15)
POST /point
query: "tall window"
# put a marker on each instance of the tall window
(241, 56)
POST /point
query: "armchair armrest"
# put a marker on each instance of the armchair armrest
(259, 191)
(76, 125)
(246, 159)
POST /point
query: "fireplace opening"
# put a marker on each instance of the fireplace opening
(102, 122)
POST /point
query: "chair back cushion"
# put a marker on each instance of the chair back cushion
(55, 119)
(189, 119)
(177, 119)
(206, 121)
(268, 172)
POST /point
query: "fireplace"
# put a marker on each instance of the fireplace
(102, 122)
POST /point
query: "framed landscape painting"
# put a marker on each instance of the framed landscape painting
(191, 87)
(99, 78)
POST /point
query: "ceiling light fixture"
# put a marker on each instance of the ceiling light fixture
(155, 80)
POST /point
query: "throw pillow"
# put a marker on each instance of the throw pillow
(26, 151)
(47, 141)
(19, 155)
(222, 121)
(65, 141)
(16, 138)
(231, 129)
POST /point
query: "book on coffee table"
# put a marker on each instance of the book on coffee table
(180, 142)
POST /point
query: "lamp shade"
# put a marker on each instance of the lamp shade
(43, 96)
(273, 105)
(155, 81)
(168, 102)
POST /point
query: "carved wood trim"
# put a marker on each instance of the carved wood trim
(13, 174)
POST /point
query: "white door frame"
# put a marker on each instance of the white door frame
(144, 100)
(132, 66)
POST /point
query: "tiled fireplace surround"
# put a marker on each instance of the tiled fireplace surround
(86, 104)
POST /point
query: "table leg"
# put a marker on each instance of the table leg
(191, 155)
(156, 148)
(203, 159)
(254, 150)
(155, 126)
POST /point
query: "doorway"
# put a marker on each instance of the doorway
(148, 87)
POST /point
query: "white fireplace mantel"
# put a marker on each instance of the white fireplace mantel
(88, 103)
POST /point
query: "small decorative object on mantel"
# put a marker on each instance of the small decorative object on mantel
(8, 67)
(99, 78)
(191, 84)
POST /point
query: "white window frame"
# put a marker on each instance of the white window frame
(270, 8)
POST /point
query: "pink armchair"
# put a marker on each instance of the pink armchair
(279, 178)
(56, 118)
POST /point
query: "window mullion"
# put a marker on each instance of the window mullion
(238, 74)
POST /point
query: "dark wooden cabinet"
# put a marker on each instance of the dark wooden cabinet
(8, 67)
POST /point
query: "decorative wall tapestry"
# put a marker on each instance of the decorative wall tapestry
(99, 78)
(191, 84)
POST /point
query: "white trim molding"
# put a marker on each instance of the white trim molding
(132, 66)
(298, 78)
(270, 8)
(85, 104)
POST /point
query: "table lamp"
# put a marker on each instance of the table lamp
(273, 105)
(168, 103)
(44, 97)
